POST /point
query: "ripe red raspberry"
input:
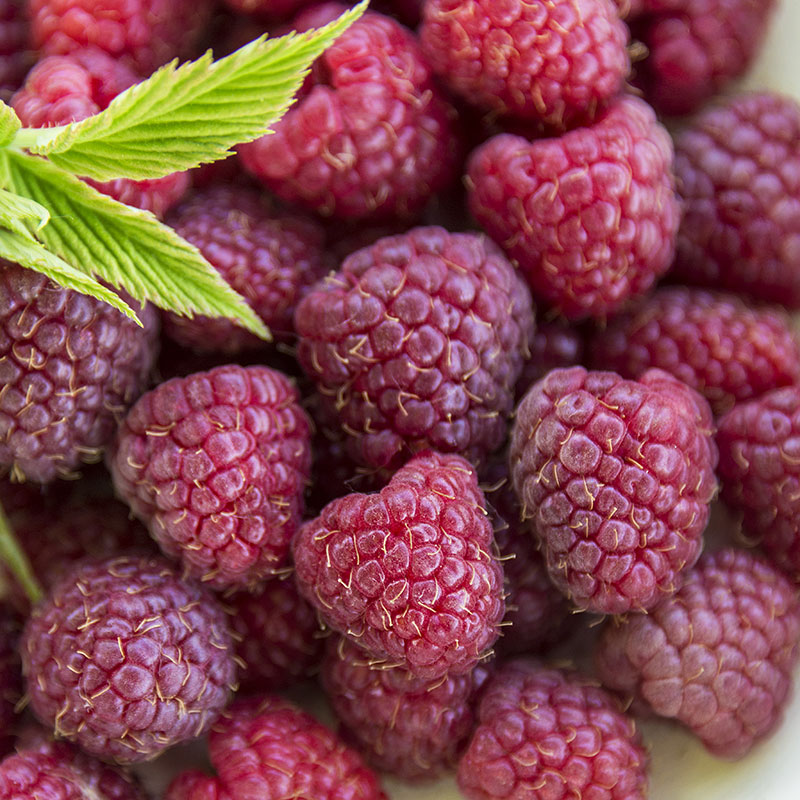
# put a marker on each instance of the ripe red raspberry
(269, 258)
(408, 573)
(555, 344)
(717, 656)
(591, 217)
(713, 342)
(738, 170)
(407, 726)
(64, 89)
(549, 734)
(126, 659)
(58, 771)
(554, 62)
(370, 135)
(417, 342)
(759, 465)
(143, 34)
(278, 637)
(696, 48)
(69, 367)
(617, 476)
(16, 52)
(10, 678)
(268, 9)
(273, 751)
(215, 465)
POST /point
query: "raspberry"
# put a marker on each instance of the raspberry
(591, 217)
(16, 54)
(126, 659)
(554, 62)
(717, 656)
(370, 136)
(696, 47)
(738, 169)
(713, 342)
(278, 636)
(64, 89)
(69, 367)
(408, 573)
(215, 465)
(555, 344)
(760, 470)
(10, 679)
(268, 9)
(271, 259)
(417, 342)
(143, 34)
(58, 771)
(617, 476)
(549, 734)
(274, 751)
(410, 727)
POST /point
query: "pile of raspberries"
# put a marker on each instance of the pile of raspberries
(523, 338)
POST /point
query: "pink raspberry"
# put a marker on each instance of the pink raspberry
(268, 9)
(273, 751)
(370, 135)
(64, 89)
(126, 659)
(591, 216)
(215, 465)
(407, 726)
(617, 477)
(16, 52)
(714, 343)
(717, 656)
(759, 465)
(738, 170)
(143, 34)
(417, 342)
(554, 62)
(408, 573)
(10, 679)
(549, 734)
(70, 366)
(555, 344)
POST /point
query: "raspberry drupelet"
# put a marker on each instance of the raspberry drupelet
(125, 659)
(416, 342)
(591, 216)
(616, 476)
(215, 465)
(16, 50)
(271, 750)
(408, 574)
(555, 344)
(548, 734)
(370, 136)
(555, 62)
(717, 656)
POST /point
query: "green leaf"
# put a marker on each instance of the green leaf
(9, 124)
(184, 116)
(124, 246)
(20, 214)
(32, 255)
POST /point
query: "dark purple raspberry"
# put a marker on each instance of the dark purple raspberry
(10, 678)
(16, 52)
(408, 574)
(59, 771)
(269, 258)
(143, 34)
(64, 89)
(125, 658)
(370, 135)
(548, 734)
(278, 637)
(418, 342)
(759, 465)
(617, 477)
(407, 726)
(555, 344)
(215, 465)
(273, 751)
(591, 217)
(554, 62)
(70, 366)
(712, 342)
(738, 171)
(717, 656)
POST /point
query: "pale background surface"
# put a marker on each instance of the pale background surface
(681, 769)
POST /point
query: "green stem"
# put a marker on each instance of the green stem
(14, 557)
